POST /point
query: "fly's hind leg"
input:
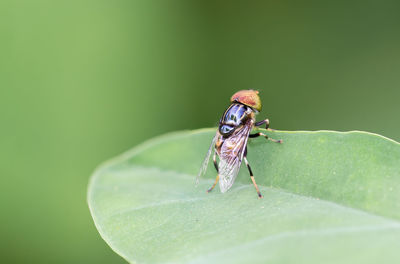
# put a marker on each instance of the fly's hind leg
(216, 167)
(251, 175)
(264, 135)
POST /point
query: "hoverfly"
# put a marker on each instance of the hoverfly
(230, 141)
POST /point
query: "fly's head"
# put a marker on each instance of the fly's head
(249, 98)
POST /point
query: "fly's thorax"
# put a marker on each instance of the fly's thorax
(234, 117)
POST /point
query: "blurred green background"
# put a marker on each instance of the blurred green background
(82, 81)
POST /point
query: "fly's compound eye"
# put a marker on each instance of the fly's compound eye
(249, 98)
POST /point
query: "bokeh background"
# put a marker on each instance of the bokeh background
(82, 81)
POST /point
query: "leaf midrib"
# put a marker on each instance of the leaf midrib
(238, 186)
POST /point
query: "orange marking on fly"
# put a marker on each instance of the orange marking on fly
(249, 98)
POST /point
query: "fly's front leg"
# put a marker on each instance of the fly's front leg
(251, 176)
(260, 123)
(264, 135)
(266, 122)
(216, 167)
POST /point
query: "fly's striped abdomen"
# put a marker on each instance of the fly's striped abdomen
(233, 118)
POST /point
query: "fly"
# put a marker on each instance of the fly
(230, 141)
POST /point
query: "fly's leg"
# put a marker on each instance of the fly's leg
(260, 123)
(251, 176)
(215, 183)
(216, 167)
(264, 135)
(266, 122)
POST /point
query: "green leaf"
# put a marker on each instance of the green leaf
(329, 197)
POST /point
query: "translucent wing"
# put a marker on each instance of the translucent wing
(231, 155)
(203, 168)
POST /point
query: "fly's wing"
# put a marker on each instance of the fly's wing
(231, 155)
(203, 168)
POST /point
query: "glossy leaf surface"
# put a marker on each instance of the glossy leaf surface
(329, 197)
